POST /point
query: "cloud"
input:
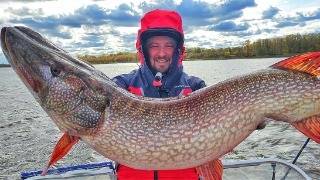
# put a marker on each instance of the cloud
(146, 6)
(204, 42)
(38, 23)
(95, 28)
(103, 40)
(241, 33)
(57, 33)
(270, 13)
(194, 13)
(48, 26)
(92, 40)
(97, 44)
(24, 11)
(270, 30)
(89, 44)
(92, 15)
(300, 19)
(95, 38)
(198, 9)
(309, 16)
(249, 32)
(235, 5)
(124, 15)
(129, 41)
(286, 23)
(24, 1)
(229, 26)
(201, 13)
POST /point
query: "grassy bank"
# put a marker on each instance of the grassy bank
(121, 57)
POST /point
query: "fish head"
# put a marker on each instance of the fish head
(72, 92)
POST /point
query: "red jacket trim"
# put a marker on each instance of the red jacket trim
(186, 91)
(136, 90)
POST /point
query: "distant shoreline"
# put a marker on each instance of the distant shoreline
(5, 65)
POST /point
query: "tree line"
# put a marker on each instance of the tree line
(120, 57)
(274, 47)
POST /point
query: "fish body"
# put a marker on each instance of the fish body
(187, 132)
(157, 134)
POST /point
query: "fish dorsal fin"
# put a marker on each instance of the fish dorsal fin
(307, 62)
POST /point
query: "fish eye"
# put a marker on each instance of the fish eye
(55, 71)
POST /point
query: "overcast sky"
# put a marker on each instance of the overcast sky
(96, 26)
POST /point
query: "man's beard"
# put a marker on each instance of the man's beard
(161, 64)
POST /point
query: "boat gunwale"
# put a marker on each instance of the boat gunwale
(228, 164)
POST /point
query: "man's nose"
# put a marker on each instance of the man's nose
(162, 52)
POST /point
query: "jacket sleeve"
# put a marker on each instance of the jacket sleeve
(123, 80)
(196, 83)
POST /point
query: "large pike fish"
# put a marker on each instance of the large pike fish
(157, 134)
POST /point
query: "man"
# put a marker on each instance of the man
(160, 52)
(160, 46)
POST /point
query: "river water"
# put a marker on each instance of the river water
(27, 135)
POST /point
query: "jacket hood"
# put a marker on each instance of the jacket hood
(161, 23)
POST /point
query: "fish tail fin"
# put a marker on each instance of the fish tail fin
(309, 127)
(211, 171)
(307, 63)
(62, 148)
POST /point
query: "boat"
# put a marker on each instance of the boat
(99, 170)
(262, 169)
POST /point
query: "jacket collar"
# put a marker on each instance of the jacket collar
(169, 78)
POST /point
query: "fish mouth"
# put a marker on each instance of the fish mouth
(5, 31)
(3, 41)
(17, 61)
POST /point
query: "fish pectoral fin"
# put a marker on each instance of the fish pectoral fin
(61, 149)
(211, 170)
(307, 62)
(310, 127)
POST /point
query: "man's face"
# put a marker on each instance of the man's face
(160, 49)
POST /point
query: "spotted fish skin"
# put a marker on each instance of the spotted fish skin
(187, 132)
(148, 133)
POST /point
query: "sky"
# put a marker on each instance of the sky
(98, 27)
